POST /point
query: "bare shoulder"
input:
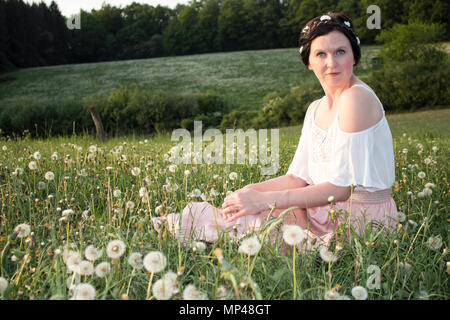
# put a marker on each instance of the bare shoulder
(358, 109)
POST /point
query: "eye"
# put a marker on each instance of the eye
(320, 53)
(340, 51)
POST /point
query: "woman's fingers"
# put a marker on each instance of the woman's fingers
(229, 201)
(233, 217)
(230, 210)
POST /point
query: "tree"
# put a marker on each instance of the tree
(232, 25)
(88, 43)
(208, 17)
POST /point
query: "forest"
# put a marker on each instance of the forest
(34, 35)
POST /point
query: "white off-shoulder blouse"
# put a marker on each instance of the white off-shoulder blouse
(363, 159)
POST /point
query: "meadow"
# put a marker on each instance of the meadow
(243, 78)
(76, 224)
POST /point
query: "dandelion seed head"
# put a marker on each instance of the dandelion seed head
(22, 230)
(154, 261)
(136, 171)
(332, 295)
(435, 242)
(37, 155)
(92, 253)
(85, 268)
(32, 165)
(427, 191)
(135, 260)
(142, 192)
(84, 291)
(199, 246)
(421, 175)
(159, 209)
(117, 193)
(430, 185)
(222, 292)
(3, 285)
(18, 171)
(162, 289)
(41, 185)
(102, 269)
(404, 267)
(49, 176)
(250, 246)
(399, 216)
(293, 234)
(130, 204)
(191, 293)
(327, 255)
(171, 277)
(73, 263)
(67, 212)
(359, 293)
(233, 176)
(115, 249)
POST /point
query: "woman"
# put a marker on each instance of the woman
(345, 154)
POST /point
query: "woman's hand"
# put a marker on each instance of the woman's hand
(244, 202)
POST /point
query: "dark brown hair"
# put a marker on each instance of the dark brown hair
(323, 25)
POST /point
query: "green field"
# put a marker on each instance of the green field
(74, 192)
(413, 261)
(243, 78)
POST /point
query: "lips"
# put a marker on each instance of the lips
(333, 74)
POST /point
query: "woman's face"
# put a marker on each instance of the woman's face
(331, 59)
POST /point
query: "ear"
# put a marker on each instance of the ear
(309, 66)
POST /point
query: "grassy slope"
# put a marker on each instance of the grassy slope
(244, 77)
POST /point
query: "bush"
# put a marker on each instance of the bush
(287, 110)
(408, 42)
(44, 118)
(133, 109)
(415, 70)
(412, 85)
(242, 119)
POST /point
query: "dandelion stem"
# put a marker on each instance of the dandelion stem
(25, 258)
(293, 272)
(129, 282)
(414, 240)
(149, 285)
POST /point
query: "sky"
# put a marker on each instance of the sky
(71, 7)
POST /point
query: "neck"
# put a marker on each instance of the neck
(333, 93)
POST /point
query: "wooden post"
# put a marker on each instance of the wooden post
(98, 123)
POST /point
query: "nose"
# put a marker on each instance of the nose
(331, 61)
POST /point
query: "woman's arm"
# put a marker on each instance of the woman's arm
(252, 202)
(284, 182)
(311, 196)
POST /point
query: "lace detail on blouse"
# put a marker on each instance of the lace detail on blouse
(321, 146)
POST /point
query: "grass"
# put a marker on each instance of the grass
(243, 78)
(411, 262)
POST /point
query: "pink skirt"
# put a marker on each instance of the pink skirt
(200, 221)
